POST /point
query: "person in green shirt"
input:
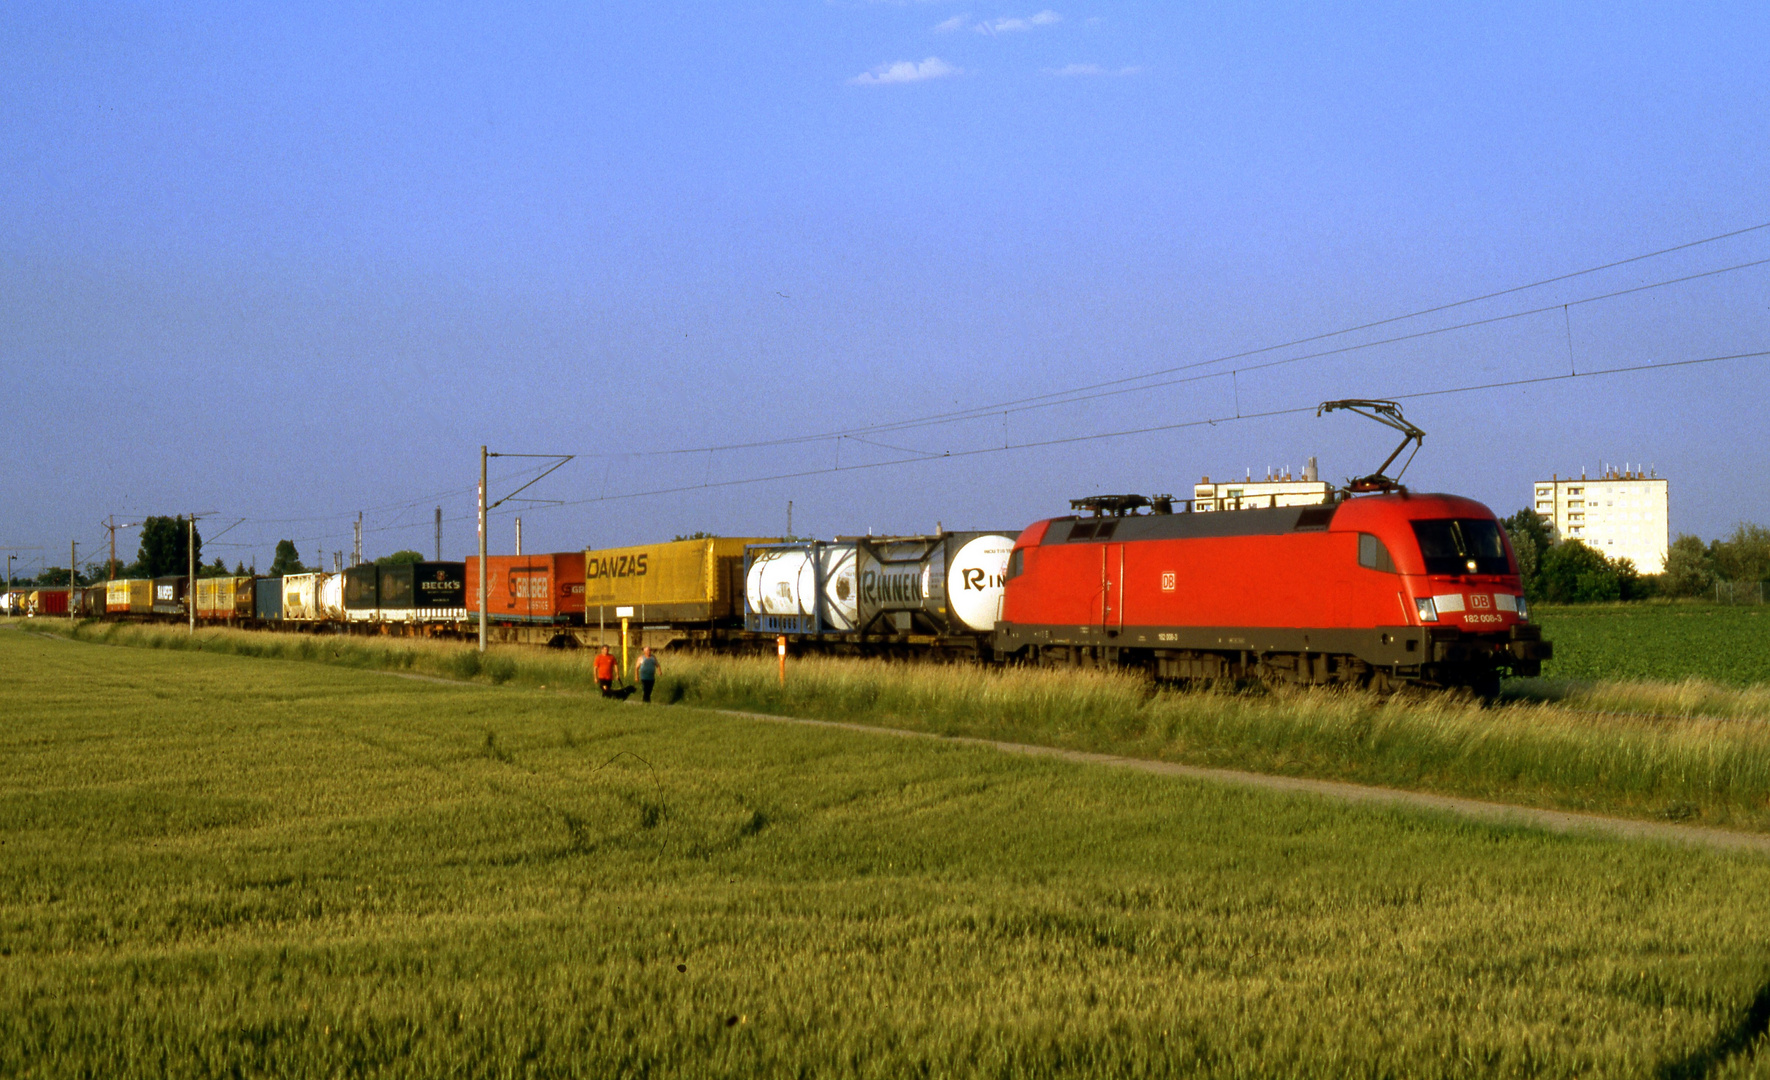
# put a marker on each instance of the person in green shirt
(646, 671)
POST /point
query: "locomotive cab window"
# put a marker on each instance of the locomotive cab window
(1373, 555)
(1462, 546)
(1016, 563)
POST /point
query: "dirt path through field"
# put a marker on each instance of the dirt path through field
(1561, 821)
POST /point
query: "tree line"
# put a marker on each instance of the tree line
(1570, 572)
(165, 551)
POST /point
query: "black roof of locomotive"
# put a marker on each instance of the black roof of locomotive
(1267, 521)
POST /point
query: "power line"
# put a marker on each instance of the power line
(1219, 421)
(1111, 387)
(1155, 428)
(1075, 393)
(1391, 341)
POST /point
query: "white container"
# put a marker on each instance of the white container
(330, 604)
(784, 581)
(975, 579)
(301, 597)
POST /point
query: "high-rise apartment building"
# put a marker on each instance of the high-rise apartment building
(1621, 514)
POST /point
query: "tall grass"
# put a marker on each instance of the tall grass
(214, 867)
(1689, 751)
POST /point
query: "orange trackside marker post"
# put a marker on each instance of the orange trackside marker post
(780, 645)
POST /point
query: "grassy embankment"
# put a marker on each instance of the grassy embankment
(219, 866)
(1554, 752)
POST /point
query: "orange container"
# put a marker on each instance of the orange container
(529, 588)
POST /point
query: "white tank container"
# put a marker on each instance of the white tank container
(975, 578)
(784, 582)
(301, 596)
(331, 598)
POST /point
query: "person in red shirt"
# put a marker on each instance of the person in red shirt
(605, 672)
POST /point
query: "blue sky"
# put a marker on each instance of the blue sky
(292, 263)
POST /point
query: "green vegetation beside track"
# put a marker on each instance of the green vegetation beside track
(217, 865)
(1616, 748)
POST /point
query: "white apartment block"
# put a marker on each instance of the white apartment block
(1622, 514)
(1275, 490)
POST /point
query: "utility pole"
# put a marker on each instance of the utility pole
(439, 534)
(559, 461)
(789, 519)
(73, 561)
(519, 536)
(190, 551)
(482, 549)
(11, 597)
(356, 553)
(110, 524)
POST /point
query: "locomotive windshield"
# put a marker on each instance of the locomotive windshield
(1462, 546)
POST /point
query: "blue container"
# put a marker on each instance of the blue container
(268, 603)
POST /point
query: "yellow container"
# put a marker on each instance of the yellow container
(129, 595)
(680, 581)
(225, 598)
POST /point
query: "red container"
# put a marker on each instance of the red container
(50, 601)
(529, 588)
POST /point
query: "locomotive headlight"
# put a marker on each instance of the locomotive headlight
(1427, 609)
(1523, 610)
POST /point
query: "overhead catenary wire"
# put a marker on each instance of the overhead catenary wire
(1093, 391)
(919, 457)
(1083, 393)
(1176, 426)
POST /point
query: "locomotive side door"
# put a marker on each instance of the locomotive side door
(1112, 587)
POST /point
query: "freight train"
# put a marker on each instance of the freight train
(1379, 587)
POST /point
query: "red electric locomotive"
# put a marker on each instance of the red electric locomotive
(1379, 591)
